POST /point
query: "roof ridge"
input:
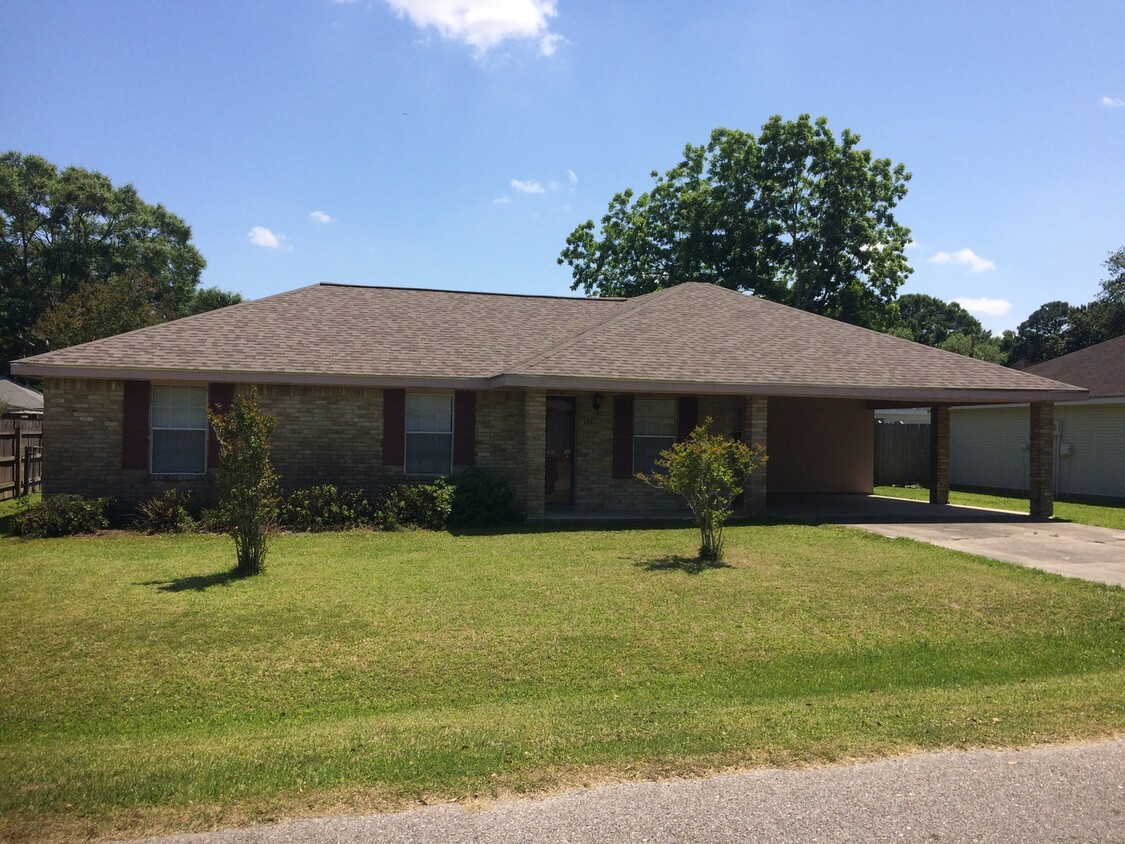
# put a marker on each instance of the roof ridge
(639, 304)
(469, 292)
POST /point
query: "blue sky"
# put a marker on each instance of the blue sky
(456, 143)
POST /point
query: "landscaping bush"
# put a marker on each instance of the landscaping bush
(708, 471)
(482, 500)
(62, 515)
(417, 505)
(324, 507)
(165, 513)
(212, 520)
(246, 480)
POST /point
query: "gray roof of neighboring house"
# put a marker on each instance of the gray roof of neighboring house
(692, 337)
(1100, 369)
(15, 396)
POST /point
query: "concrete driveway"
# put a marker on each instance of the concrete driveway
(1090, 553)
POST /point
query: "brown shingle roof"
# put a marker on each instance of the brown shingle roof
(1100, 369)
(692, 337)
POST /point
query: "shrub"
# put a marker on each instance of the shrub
(708, 471)
(417, 505)
(211, 520)
(165, 513)
(247, 482)
(324, 507)
(62, 515)
(482, 500)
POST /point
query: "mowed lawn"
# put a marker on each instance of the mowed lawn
(1099, 515)
(143, 690)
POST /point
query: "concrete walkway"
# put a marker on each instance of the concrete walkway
(1090, 553)
(1047, 794)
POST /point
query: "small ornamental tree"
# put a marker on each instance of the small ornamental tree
(247, 482)
(708, 471)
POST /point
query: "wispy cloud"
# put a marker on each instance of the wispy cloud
(988, 307)
(321, 217)
(482, 24)
(1113, 102)
(261, 236)
(528, 187)
(965, 258)
(501, 200)
(572, 177)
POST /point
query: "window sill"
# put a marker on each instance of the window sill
(177, 476)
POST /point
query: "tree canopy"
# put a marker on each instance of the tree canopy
(792, 214)
(76, 252)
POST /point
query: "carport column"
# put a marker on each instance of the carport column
(1042, 458)
(755, 430)
(939, 454)
(535, 452)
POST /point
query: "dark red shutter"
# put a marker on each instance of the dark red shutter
(622, 436)
(220, 397)
(394, 427)
(134, 425)
(687, 417)
(464, 427)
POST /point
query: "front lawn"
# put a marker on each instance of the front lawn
(144, 690)
(1099, 515)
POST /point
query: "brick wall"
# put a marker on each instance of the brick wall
(82, 445)
(334, 435)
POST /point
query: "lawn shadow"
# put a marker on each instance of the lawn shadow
(691, 565)
(195, 582)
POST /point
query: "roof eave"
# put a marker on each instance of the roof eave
(326, 379)
(921, 394)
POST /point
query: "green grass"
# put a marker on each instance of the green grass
(144, 690)
(10, 507)
(1099, 515)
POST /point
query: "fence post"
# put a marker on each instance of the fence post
(17, 459)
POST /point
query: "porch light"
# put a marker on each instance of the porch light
(597, 400)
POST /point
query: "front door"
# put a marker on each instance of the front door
(559, 474)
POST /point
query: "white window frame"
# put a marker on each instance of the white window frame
(406, 436)
(153, 428)
(669, 438)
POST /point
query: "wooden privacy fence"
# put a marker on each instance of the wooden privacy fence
(902, 453)
(21, 457)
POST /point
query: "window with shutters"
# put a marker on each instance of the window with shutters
(429, 434)
(179, 430)
(654, 429)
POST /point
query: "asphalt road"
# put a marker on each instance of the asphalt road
(1072, 793)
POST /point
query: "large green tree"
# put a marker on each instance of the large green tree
(930, 320)
(71, 233)
(792, 214)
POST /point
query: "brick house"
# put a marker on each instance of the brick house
(565, 397)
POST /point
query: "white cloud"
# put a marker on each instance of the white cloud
(528, 187)
(572, 177)
(261, 236)
(482, 24)
(321, 217)
(1113, 102)
(501, 200)
(964, 257)
(988, 307)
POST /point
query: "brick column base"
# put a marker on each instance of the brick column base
(755, 430)
(939, 454)
(1042, 459)
(535, 452)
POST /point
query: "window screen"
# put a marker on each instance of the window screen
(179, 430)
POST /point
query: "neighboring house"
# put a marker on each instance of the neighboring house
(565, 397)
(19, 402)
(989, 447)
